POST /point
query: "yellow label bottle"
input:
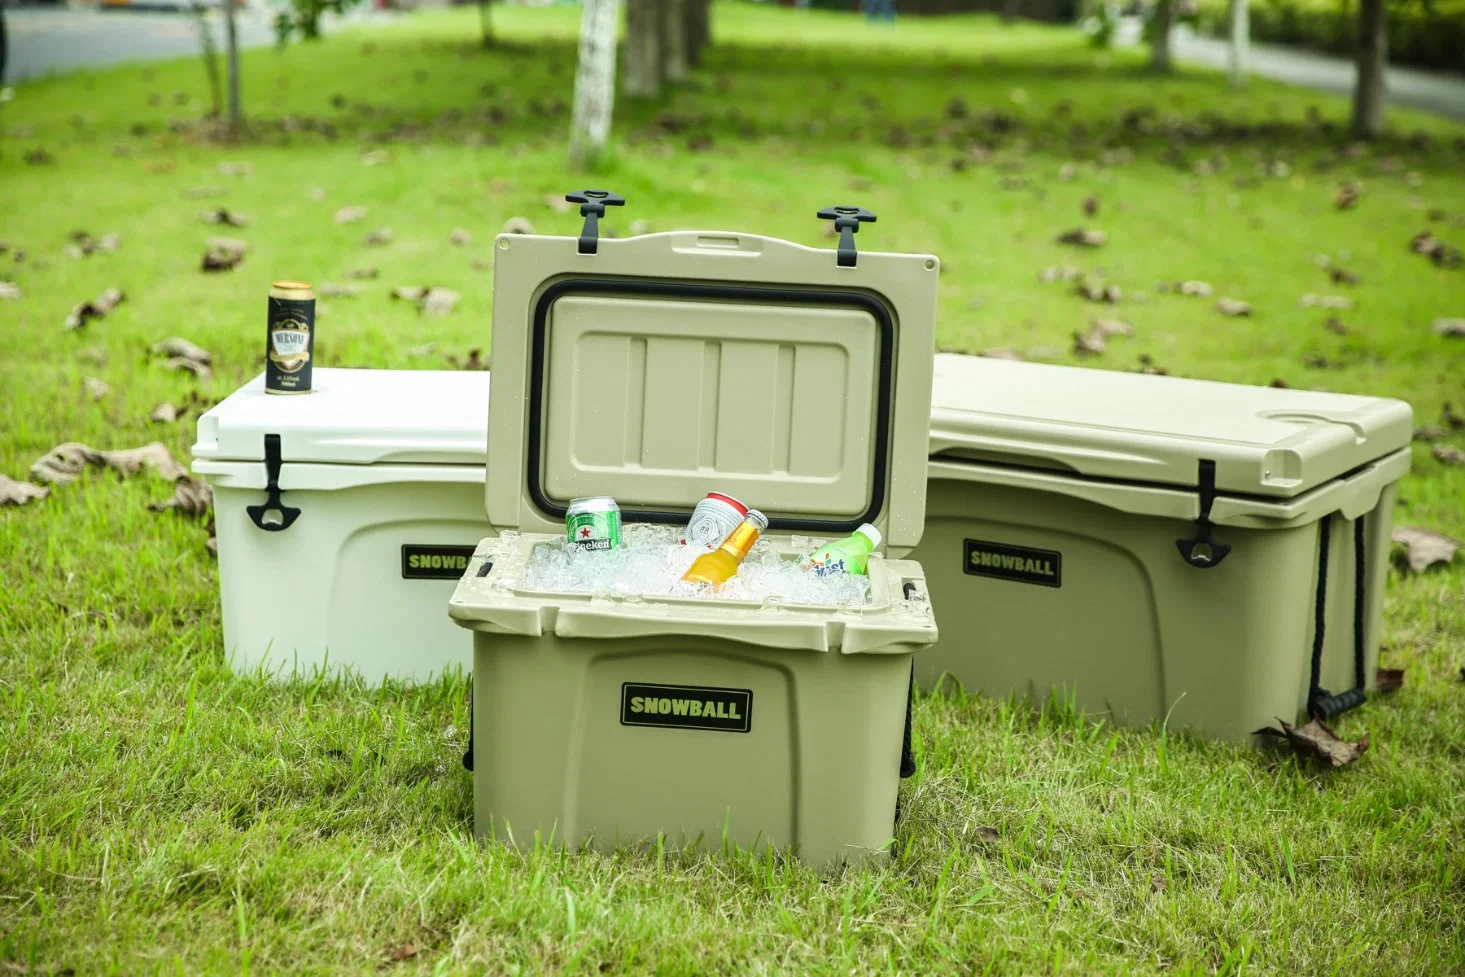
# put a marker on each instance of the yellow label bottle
(722, 563)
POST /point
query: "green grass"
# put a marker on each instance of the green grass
(158, 813)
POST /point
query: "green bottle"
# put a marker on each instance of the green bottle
(847, 555)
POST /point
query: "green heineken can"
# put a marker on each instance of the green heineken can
(593, 524)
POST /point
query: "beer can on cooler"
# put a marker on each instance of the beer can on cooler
(289, 338)
(714, 519)
(593, 524)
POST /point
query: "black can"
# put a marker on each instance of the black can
(289, 338)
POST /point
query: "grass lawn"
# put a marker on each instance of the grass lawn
(159, 814)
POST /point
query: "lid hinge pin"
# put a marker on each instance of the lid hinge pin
(847, 221)
(272, 502)
(592, 208)
(1203, 552)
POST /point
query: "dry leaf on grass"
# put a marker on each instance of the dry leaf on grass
(224, 253)
(404, 952)
(200, 193)
(1450, 327)
(1233, 307)
(97, 308)
(212, 545)
(1342, 276)
(1388, 679)
(1280, 384)
(223, 215)
(164, 413)
(1315, 740)
(1090, 205)
(475, 360)
(230, 168)
(1423, 548)
(1098, 292)
(9, 291)
(83, 244)
(1310, 300)
(191, 497)
(96, 389)
(1448, 454)
(1060, 273)
(460, 237)
(378, 238)
(369, 271)
(19, 493)
(430, 300)
(426, 349)
(1084, 238)
(331, 290)
(517, 225)
(176, 346)
(1336, 325)
(1430, 432)
(1451, 420)
(1347, 196)
(1089, 343)
(65, 462)
(1442, 254)
(1111, 327)
(376, 157)
(185, 365)
(154, 456)
(349, 215)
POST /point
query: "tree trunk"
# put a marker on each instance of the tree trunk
(643, 48)
(699, 29)
(1160, 37)
(485, 22)
(210, 57)
(1373, 61)
(595, 82)
(1011, 10)
(1238, 62)
(236, 113)
(674, 40)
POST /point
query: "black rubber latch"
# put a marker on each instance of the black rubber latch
(485, 568)
(1327, 705)
(272, 502)
(847, 221)
(1202, 551)
(468, 755)
(592, 208)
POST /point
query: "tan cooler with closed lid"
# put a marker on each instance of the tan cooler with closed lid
(655, 369)
(1157, 548)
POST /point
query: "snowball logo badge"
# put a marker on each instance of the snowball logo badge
(289, 338)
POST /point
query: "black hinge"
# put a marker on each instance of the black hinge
(847, 221)
(592, 208)
(1202, 551)
(272, 501)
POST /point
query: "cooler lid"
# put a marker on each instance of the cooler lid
(355, 417)
(1097, 423)
(667, 366)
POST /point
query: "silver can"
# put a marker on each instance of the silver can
(593, 524)
(714, 519)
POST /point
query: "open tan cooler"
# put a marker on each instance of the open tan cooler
(1066, 526)
(653, 370)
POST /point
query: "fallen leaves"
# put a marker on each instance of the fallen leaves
(1084, 238)
(349, 215)
(65, 462)
(1450, 327)
(1060, 273)
(1112, 327)
(430, 300)
(19, 493)
(180, 354)
(1233, 307)
(1090, 205)
(475, 360)
(1096, 291)
(96, 389)
(1312, 301)
(1442, 254)
(9, 291)
(378, 238)
(1348, 195)
(1423, 548)
(334, 291)
(83, 245)
(1448, 454)
(1315, 740)
(1096, 339)
(517, 225)
(1430, 432)
(223, 215)
(1338, 326)
(97, 308)
(1388, 679)
(224, 253)
(460, 237)
(370, 271)
(1191, 287)
(403, 952)
(191, 497)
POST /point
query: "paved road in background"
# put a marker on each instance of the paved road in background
(47, 40)
(1433, 92)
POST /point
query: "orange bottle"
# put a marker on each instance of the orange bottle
(722, 563)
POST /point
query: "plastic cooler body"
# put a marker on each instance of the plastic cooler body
(656, 369)
(1062, 505)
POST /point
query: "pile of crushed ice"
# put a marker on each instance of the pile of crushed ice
(650, 562)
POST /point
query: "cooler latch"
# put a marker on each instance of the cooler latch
(1203, 552)
(272, 502)
(592, 208)
(847, 221)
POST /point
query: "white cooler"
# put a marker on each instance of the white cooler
(350, 564)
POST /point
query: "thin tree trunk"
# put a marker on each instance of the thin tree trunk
(699, 30)
(1373, 61)
(674, 40)
(236, 112)
(1238, 62)
(1160, 42)
(643, 48)
(1011, 10)
(595, 82)
(485, 21)
(210, 57)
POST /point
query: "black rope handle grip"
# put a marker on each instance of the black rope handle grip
(1320, 702)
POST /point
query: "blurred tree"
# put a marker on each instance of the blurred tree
(643, 48)
(485, 21)
(1369, 89)
(1239, 55)
(303, 17)
(1157, 31)
(674, 40)
(595, 82)
(232, 33)
(699, 29)
(210, 56)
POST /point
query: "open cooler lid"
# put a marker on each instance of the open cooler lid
(1153, 429)
(355, 417)
(659, 368)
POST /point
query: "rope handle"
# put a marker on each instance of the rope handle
(1320, 702)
